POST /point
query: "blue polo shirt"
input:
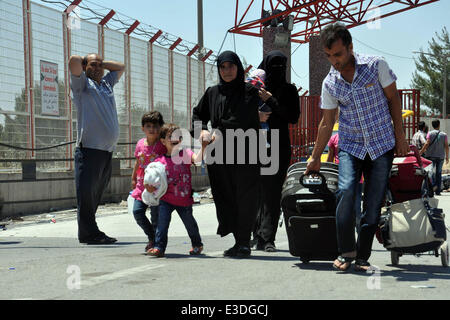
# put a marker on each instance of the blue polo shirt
(98, 125)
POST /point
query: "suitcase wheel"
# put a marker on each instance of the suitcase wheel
(304, 260)
(395, 258)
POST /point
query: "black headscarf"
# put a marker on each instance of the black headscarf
(237, 84)
(274, 64)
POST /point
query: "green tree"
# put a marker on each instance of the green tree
(432, 66)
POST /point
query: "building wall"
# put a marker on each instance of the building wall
(51, 191)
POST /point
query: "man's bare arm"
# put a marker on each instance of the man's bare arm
(76, 65)
(325, 131)
(114, 66)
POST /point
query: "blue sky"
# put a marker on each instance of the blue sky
(395, 40)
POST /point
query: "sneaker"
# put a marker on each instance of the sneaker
(196, 251)
(149, 246)
(154, 252)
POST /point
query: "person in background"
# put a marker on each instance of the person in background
(436, 149)
(420, 137)
(283, 100)
(97, 136)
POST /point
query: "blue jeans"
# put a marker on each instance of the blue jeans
(436, 178)
(165, 215)
(139, 209)
(376, 174)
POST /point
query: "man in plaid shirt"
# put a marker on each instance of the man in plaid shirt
(370, 130)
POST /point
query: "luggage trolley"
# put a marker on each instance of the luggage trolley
(410, 222)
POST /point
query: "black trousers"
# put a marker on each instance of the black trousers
(92, 174)
(270, 205)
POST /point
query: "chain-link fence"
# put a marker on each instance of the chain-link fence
(36, 110)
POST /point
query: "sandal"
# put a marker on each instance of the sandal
(343, 260)
(362, 265)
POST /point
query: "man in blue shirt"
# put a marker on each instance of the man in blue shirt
(370, 129)
(97, 135)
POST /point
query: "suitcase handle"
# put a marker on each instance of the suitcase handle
(310, 184)
(414, 152)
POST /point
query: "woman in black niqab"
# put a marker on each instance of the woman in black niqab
(282, 97)
(232, 104)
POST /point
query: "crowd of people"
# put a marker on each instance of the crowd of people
(247, 202)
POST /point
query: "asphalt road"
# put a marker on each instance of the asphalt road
(41, 259)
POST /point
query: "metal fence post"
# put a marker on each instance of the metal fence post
(67, 100)
(189, 84)
(171, 75)
(170, 65)
(29, 81)
(150, 68)
(127, 62)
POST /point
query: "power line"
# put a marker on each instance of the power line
(383, 52)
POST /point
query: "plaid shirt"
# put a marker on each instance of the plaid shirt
(365, 123)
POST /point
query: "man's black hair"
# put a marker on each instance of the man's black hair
(333, 32)
(435, 123)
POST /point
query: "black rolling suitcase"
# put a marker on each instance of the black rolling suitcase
(309, 209)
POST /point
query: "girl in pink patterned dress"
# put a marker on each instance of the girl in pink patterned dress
(147, 150)
(179, 192)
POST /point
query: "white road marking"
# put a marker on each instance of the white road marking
(282, 244)
(118, 274)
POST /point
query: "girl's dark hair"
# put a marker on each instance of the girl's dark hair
(167, 130)
(154, 117)
(421, 125)
(332, 33)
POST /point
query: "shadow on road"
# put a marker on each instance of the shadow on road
(417, 273)
(9, 242)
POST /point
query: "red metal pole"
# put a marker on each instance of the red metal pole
(101, 32)
(150, 70)
(127, 55)
(72, 6)
(175, 44)
(132, 27)
(206, 56)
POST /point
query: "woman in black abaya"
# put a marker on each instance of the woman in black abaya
(282, 97)
(232, 104)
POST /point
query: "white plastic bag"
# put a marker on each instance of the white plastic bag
(130, 202)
